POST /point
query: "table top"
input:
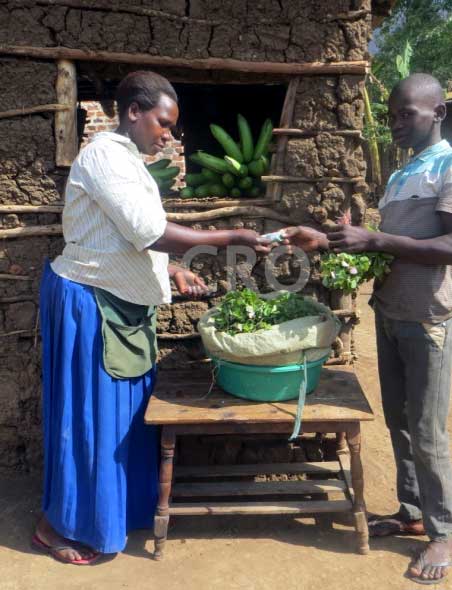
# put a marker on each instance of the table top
(180, 397)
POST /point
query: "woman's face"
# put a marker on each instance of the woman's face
(151, 130)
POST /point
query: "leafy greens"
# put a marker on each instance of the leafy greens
(245, 311)
(347, 272)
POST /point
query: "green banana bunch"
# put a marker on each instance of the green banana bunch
(239, 172)
(163, 174)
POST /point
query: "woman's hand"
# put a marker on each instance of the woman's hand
(306, 238)
(248, 237)
(352, 239)
(187, 283)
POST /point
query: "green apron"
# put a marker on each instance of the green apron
(128, 334)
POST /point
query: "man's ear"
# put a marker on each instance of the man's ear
(134, 112)
(440, 112)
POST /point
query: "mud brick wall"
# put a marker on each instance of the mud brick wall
(253, 30)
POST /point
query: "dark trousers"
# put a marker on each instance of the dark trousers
(415, 364)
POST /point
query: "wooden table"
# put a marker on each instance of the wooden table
(180, 406)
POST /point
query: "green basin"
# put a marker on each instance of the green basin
(264, 383)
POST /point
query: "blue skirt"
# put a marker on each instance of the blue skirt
(101, 460)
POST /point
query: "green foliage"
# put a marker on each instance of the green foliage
(426, 25)
(346, 272)
(245, 311)
(378, 128)
(403, 61)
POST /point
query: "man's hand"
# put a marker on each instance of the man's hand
(187, 283)
(352, 239)
(306, 238)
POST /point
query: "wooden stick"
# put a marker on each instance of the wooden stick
(15, 332)
(212, 204)
(57, 229)
(352, 15)
(31, 208)
(275, 178)
(10, 277)
(168, 203)
(263, 212)
(311, 132)
(32, 230)
(66, 121)
(274, 192)
(210, 63)
(170, 336)
(42, 108)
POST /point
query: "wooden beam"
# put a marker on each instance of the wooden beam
(211, 471)
(170, 336)
(15, 333)
(245, 488)
(167, 203)
(42, 108)
(276, 178)
(31, 209)
(31, 231)
(313, 132)
(273, 507)
(11, 277)
(274, 191)
(352, 15)
(170, 203)
(210, 63)
(66, 121)
(57, 229)
(251, 211)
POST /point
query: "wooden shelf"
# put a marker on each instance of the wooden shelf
(258, 488)
(232, 508)
(211, 471)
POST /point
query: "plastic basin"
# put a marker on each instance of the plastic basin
(264, 383)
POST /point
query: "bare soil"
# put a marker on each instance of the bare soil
(233, 553)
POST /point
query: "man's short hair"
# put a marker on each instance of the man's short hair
(143, 87)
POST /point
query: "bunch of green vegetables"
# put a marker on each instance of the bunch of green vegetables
(346, 272)
(163, 174)
(239, 172)
(245, 311)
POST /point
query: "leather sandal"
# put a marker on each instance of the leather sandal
(386, 525)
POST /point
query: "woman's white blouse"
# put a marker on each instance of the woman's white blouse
(112, 214)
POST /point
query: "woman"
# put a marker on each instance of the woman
(97, 309)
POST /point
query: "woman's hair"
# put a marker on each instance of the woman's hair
(144, 88)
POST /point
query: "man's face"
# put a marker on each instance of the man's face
(412, 118)
(151, 130)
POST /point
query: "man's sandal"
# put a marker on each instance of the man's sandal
(384, 526)
(53, 551)
(423, 563)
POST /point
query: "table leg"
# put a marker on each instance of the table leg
(353, 436)
(161, 519)
(341, 443)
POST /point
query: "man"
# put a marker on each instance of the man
(413, 308)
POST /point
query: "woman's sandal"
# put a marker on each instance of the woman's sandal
(384, 526)
(423, 563)
(53, 551)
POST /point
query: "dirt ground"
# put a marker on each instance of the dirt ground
(234, 553)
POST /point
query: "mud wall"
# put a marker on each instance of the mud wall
(253, 30)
